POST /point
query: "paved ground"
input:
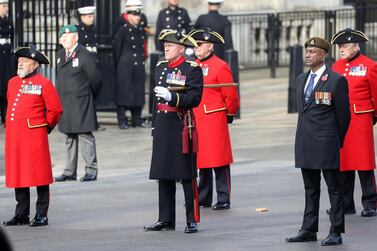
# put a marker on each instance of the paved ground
(108, 215)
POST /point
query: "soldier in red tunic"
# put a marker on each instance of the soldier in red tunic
(34, 109)
(217, 108)
(358, 150)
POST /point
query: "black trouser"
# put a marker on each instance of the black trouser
(312, 183)
(166, 204)
(368, 188)
(3, 109)
(23, 199)
(135, 113)
(223, 186)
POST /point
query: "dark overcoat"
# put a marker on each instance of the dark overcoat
(168, 161)
(221, 24)
(7, 67)
(78, 83)
(321, 128)
(129, 55)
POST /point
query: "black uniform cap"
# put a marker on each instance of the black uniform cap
(177, 37)
(318, 43)
(32, 53)
(349, 36)
(207, 35)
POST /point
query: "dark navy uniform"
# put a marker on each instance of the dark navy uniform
(168, 162)
(219, 23)
(88, 37)
(7, 68)
(171, 18)
(130, 86)
(122, 20)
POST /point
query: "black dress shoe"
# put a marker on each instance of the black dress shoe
(191, 227)
(39, 220)
(64, 177)
(160, 226)
(205, 204)
(303, 236)
(368, 212)
(123, 125)
(332, 239)
(221, 206)
(347, 211)
(89, 177)
(17, 220)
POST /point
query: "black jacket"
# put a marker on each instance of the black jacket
(7, 62)
(87, 35)
(321, 128)
(169, 18)
(78, 83)
(168, 161)
(219, 23)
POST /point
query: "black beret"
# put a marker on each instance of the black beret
(348, 36)
(318, 42)
(177, 37)
(207, 35)
(32, 53)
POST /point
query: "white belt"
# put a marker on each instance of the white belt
(4, 41)
(92, 49)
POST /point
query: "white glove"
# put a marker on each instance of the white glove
(162, 92)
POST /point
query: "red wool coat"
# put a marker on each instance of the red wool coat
(33, 104)
(213, 135)
(358, 150)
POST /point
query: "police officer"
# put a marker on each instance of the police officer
(219, 23)
(6, 67)
(219, 105)
(172, 17)
(324, 116)
(129, 54)
(34, 109)
(178, 89)
(78, 82)
(86, 29)
(358, 150)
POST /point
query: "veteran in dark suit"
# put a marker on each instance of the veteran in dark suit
(78, 83)
(179, 86)
(323, 120)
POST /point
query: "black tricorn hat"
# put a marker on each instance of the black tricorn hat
(349, 36)
(32, 53)
(177, 37)
(207, 35)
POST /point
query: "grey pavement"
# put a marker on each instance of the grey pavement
(109, 214)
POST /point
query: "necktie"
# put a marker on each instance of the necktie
(310, 87)
(66, 55)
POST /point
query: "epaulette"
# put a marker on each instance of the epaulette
(161, 62)
(192, 63)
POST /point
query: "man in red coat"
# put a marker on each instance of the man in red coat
(34, 109)
(217, 108)
(358, 150)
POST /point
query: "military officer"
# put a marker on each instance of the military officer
(129, 54)
(34, 110)
(6, 68)
(172, 17)
(219, 23)
(358, 150)
(218, 107)
(178, 89)
(323, 119)
(78, 82)
(86, 29)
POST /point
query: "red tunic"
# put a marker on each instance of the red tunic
(33, 104)
(213, 135)
(358, 150)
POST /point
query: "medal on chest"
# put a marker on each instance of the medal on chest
(176, 78)
(323, 98)
(32, 89)
(205, 69)
(75, 62)
(358, 71)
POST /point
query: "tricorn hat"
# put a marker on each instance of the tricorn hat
(207, 35)
(349, 36)
(318, 43)
(177, 37)
(32, 53)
